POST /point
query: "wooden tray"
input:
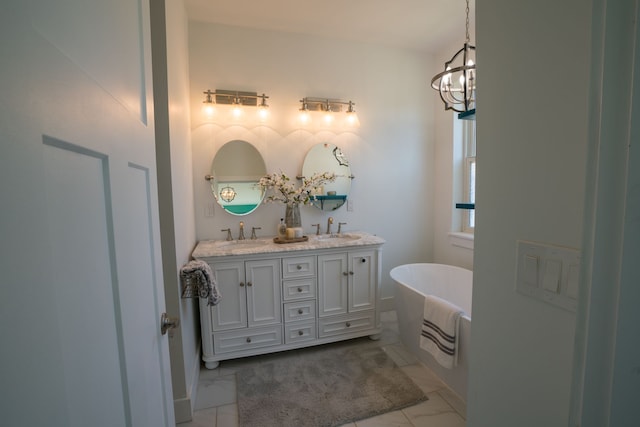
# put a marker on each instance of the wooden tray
(294, 240)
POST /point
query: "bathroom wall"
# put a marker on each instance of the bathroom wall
(391, 153)
(531, 150)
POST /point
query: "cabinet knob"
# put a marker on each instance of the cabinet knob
(348, 324)
(300, 311)
(248, 339)
(351, 273)
(300, 333)
(249, 284)
(345, 274)
(241, 284)
(299, 289)
(299, 267)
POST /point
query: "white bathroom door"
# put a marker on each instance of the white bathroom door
(81, 281)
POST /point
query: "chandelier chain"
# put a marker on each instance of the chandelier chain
(467, 23)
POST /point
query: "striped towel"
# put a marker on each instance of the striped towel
(439, 334)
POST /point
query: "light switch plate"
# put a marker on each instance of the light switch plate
(551, 276)
(548, 273)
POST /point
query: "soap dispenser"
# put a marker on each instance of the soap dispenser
(282, 229)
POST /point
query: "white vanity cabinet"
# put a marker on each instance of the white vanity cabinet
(346, 292)
(283, 296)
(251, 316)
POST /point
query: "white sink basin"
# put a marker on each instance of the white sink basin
(337, 238)
(241, 244)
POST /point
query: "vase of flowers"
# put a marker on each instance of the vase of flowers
(285, 191)
(292, 216)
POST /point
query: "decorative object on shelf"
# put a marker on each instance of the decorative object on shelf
(228, 193)
(280, 240)
(329, 107)
(457, 83)
(285, 191)
(238, 100)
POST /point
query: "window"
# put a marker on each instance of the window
(469, 182)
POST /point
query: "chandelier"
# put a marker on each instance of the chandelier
(457, 83)
(228, 194)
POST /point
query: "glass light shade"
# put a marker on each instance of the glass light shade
(304, 117)
(237, 111)
(209, 109)
(263, 113)
(328, 118)
(352, 119)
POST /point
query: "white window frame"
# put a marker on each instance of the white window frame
(469, 191)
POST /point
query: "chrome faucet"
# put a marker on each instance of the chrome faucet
(340, 224)
(229, 236)
(253, 232)
(241, 235)
(329, 222)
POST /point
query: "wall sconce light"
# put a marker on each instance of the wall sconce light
(209, 104)
(238, 100)
(329, 108)
(228, 193)
(263, 108)
(352, 117)
(304, 113)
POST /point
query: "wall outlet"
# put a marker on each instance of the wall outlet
(349, 205)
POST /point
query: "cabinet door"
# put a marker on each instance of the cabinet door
(332, 284)
(231, 311)
(362, 286)
(264, 306)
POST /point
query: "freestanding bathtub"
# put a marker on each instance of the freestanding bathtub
(454, 284)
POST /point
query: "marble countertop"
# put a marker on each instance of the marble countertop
(266, 245)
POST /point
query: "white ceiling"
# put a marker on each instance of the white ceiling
(424, 25)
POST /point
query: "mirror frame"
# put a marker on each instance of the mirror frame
(318, 160)
(232, 159)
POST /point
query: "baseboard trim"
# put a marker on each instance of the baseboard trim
(185, 407)
(182, 409)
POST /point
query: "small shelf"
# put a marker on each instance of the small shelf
(467, 115)
(465, 205)
(340, 198)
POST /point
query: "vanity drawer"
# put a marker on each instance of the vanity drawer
(245, 339)
(337, 325)
(300, 331)
(302, 310)
(298, 267)
(299, 289)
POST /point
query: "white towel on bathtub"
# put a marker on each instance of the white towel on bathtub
(439, 334)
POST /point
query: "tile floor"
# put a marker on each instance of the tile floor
(216, 400)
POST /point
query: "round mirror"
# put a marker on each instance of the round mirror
(327, 157)
(236, 170)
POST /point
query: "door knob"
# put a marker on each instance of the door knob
(167, 323)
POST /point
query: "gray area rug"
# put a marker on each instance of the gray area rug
(322, 386)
